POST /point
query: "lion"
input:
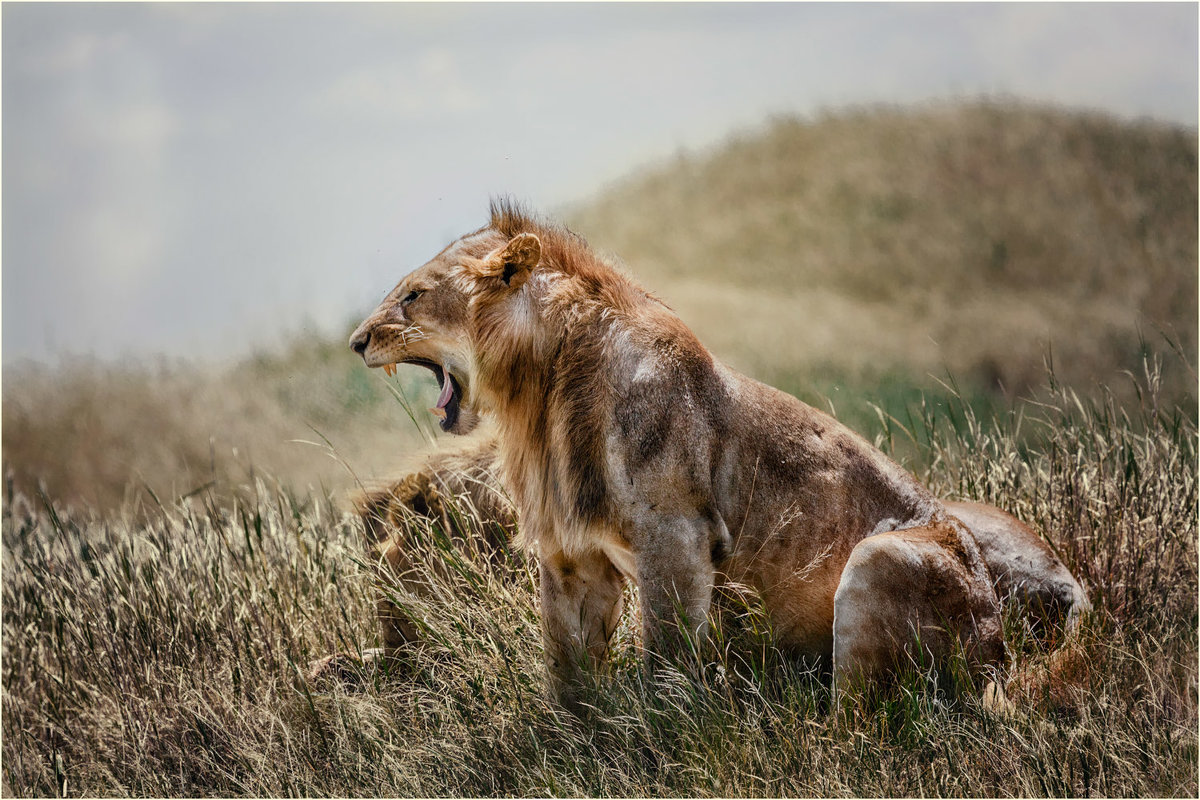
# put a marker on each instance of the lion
(455, 490)
(633, 454)
(458, 490)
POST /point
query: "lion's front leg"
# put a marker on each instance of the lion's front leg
(675, 582)
(581, 606)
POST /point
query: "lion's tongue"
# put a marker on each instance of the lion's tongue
(447, 391)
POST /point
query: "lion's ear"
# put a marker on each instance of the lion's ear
(513, 262)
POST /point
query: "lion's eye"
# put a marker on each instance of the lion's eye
(408, 298)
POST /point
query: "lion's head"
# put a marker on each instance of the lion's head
(427, 319)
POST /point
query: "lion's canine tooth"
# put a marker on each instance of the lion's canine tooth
(440, 413)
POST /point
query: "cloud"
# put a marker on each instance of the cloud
(72, 53)
(429, 85)
(127, 214)
(89, 139)
(1133, 59)
(142, 127)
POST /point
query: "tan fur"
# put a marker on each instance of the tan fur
(631, 453)
(1024, 568)
(455, 488)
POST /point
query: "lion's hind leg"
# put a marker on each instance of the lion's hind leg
(1025, 570)
(913, 597)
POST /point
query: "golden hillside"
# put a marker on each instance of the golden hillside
(846, 260)
(966, 237)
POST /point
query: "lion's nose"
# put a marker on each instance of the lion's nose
(359, 341)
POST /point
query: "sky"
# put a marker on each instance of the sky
(205, 180)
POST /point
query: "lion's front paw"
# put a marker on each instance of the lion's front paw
(416, 493)
(344, 670)
(334, 670)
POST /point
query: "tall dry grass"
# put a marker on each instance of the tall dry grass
(156, 651)
(99, 435)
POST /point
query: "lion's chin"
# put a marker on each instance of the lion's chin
(463, 425)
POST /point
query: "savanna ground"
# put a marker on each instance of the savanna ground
(173, 558)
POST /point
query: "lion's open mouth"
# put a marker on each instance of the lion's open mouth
(448, 402)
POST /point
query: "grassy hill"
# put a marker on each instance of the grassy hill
(960, 237)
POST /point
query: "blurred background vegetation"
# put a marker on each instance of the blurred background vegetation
(864, 260)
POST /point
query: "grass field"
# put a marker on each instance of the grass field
(156, 651)
(177, 546)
